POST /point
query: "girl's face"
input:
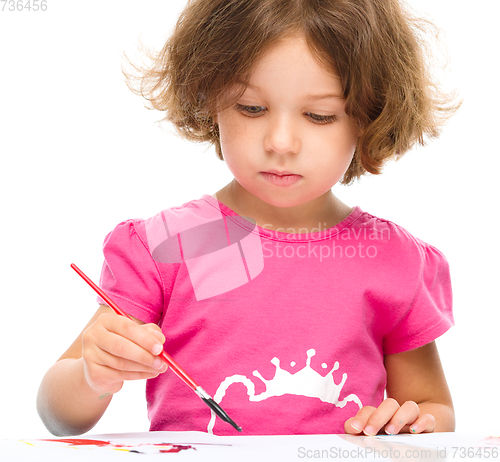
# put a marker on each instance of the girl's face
(290, 119)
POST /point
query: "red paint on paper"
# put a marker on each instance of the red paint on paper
(83, 442)
(177, 448)
(164, 447)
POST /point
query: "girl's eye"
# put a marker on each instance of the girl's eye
(250, 111)
(256, 111)
(319, 119)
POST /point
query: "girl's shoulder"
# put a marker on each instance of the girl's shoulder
(193, 222)
(384, 230)
(389, 250)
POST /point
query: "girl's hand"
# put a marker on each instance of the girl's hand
(391, 418)
(414, 376)
(115, 349)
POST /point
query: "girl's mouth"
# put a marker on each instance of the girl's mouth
(281, 179)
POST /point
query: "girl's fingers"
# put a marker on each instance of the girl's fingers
(356, 424)
(106, 380)
(116, 348)
(126, 375)
(392, 417)
(123, 338)
(137, 363)
(156, 331)
(424, 424)
(381, 416)
(120, 353)
(146, 336)
(408, 413)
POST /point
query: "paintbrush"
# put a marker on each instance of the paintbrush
(164, 355)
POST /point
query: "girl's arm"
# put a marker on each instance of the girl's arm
(418, 398)
(78, 388)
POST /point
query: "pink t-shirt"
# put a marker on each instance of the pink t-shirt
(287, 332)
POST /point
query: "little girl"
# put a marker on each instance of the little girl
(298, 313)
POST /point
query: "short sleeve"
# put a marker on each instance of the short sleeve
(429, 314)
(129, 274)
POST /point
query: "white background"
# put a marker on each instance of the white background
(80, 153)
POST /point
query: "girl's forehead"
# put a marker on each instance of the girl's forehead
(291, 61)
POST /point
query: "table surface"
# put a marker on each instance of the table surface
(198, 446)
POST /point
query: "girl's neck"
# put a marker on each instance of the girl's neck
(321, 213)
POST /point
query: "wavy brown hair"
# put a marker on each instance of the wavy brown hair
(376, 47)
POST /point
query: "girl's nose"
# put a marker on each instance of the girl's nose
(282, 136)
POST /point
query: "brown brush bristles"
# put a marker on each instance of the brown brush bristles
(376, 47)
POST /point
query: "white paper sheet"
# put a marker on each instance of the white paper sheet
(198, 446)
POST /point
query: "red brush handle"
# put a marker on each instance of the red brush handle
(164, 355)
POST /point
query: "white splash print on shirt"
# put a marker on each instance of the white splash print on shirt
(306, 382)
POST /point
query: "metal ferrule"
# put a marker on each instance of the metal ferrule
(202, 393)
